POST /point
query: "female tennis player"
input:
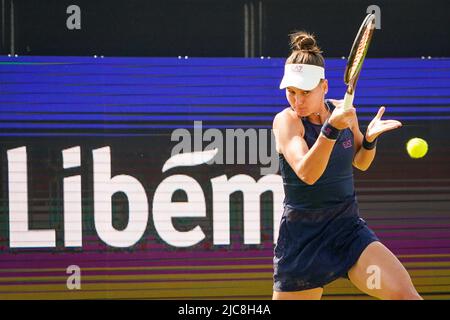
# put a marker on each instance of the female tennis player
(321, 236)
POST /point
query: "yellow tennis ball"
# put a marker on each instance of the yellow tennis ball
(417, 148)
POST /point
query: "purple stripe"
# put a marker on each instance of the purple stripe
(412, 235)
(127, 264)
(413, 251)
(130, 263)
(405, 227)
(413, 243)
(153, 245)
(425, 259)
(269, 268)
(226, 252)
(124, 259)
(110, 281)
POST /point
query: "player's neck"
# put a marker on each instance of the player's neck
(320, 116)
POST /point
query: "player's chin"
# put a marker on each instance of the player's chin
(302, 112)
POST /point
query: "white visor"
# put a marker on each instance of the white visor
(302, 76)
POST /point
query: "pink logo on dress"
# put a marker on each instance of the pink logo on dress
(347, 143)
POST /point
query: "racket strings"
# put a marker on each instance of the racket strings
(360, 51)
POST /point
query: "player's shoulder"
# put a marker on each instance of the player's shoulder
(288, 123)
(285, 117)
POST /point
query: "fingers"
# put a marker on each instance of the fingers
(380, 113)
(376, 128)
(383, 127)
(394, 123)
(337, 103)
(350, 115)
(349, 110)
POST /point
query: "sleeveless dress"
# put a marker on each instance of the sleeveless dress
(321, 235)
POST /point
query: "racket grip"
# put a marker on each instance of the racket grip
(348, 100)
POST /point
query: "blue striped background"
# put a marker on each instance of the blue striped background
(126, 96)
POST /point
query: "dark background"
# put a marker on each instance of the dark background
(212, 28)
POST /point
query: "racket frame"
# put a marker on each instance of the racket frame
(369, 22)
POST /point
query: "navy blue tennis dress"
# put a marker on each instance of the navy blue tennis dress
(321, 235)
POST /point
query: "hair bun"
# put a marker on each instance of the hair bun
(305, 42)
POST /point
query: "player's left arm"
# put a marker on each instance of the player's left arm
(364, 157)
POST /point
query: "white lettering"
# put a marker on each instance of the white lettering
(252, 190)
(72, 199)
(19, 234)
(164, 210)
(104, 188)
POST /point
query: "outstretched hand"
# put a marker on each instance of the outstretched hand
(377, 126)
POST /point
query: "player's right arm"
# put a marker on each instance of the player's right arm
(308, 164)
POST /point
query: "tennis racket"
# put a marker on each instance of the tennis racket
(356, 58)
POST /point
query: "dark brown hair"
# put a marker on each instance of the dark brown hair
(305, 49)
